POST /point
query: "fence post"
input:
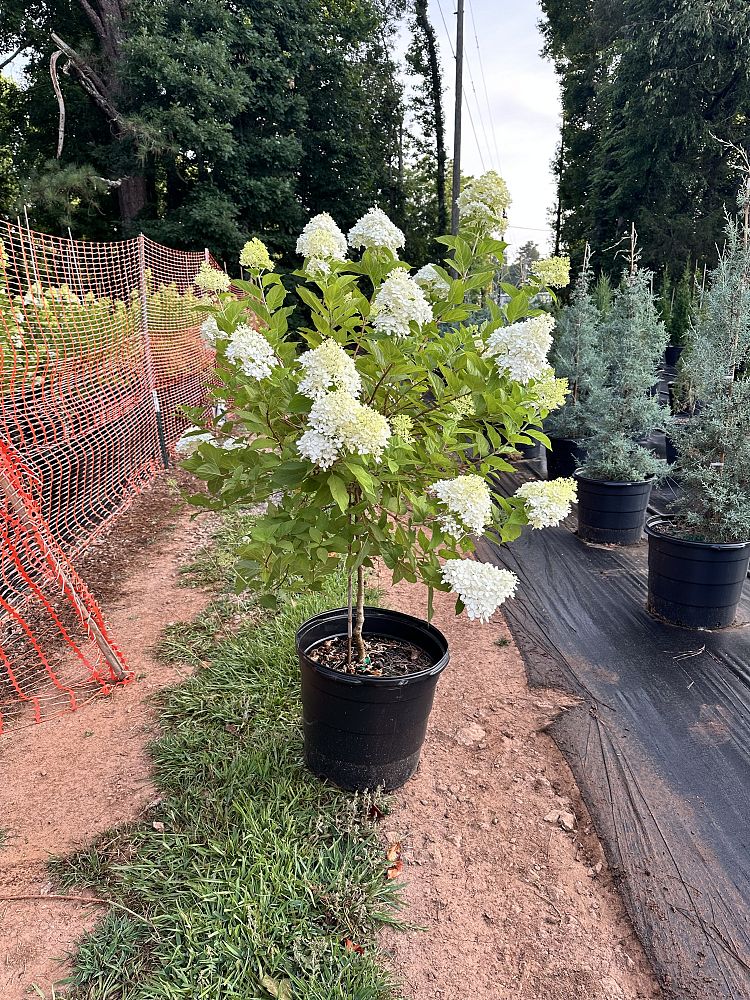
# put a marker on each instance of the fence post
(148, 355)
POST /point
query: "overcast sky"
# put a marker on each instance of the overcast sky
(523, 101)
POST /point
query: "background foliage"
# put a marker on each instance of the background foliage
(215, 120)
(646, 85)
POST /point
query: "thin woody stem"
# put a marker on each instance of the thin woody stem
(360, 621)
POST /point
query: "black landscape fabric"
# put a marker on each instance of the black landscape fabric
(659, 746)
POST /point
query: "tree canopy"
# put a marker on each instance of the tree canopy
(203, 123)
(650, 91)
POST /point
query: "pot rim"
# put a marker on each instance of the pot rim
(651, 531)
(366, 679)
(578, 474)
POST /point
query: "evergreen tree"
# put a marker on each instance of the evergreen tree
(714, 443)
(622, 408)
(640, 118)
(679, 318)
(603, 294)
(576, 355)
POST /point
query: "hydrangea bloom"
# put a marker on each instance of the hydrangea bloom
(191, 440)
(481, 587)
(318, 448)
(328, 367)
(552, 271)
(432, 282)
(483, 203)
(521, 348)
(210, 331)
(252, 352)
(464, 405)
(255, 256)
(468, 498)
(551, 392)
(403, 427)
(209, 279)
(548, 503)
(375, 229)
(348, 425)
(320, 242)
(398, 302)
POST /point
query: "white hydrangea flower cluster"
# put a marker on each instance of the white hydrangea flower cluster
(252, 352)
(209, 279)
(194, 437)
(317, 448)
(320, 242)
(548, 503)
(521, 349)
(340, 423)
(210, 331)
(375, 229)
(464, 405)
(468, 500)
(552, 271)
(483, 203)
(433, 283)
(481, 587)
(329, 367)
(398, 302)
(255, 256)
(551, 392)
(402, 426)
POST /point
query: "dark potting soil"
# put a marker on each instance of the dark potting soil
(386, 657)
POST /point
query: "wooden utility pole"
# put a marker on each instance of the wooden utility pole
(457, 120)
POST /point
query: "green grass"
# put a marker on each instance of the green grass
(249, 875)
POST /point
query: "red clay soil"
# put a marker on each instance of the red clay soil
(505, 875)
(514, 906)
(67, 781)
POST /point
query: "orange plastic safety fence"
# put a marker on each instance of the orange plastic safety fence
(100, 349)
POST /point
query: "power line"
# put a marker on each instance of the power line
(464, 95)
(484, 83)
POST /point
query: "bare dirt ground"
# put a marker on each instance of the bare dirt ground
(505, 874)
(514, 906)
(65, 782)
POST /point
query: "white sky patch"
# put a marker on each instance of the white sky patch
(524, 106)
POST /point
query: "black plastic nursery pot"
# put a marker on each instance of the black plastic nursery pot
(530, 452)
(694, 584)
(611, 513)
(564, 458)
(672, 354)
(360, 731)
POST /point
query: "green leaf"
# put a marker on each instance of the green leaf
(338, 490)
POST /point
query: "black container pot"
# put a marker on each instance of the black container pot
(672, 354)
(365, 732)
(530, 452)
(565, 457)
(694, 584)
(611, 513)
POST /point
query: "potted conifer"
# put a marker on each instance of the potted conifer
(575, 356)
(371, 436)
(621, 411)
(699, 555)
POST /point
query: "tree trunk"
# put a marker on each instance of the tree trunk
(132, 199)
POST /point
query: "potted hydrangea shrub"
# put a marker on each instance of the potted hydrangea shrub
(621, 412)
(370, 437)
(576, 356)
(699, 554)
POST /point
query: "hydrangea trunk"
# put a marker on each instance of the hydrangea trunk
(356, 622)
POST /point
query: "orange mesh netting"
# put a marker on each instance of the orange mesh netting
(100, 348)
